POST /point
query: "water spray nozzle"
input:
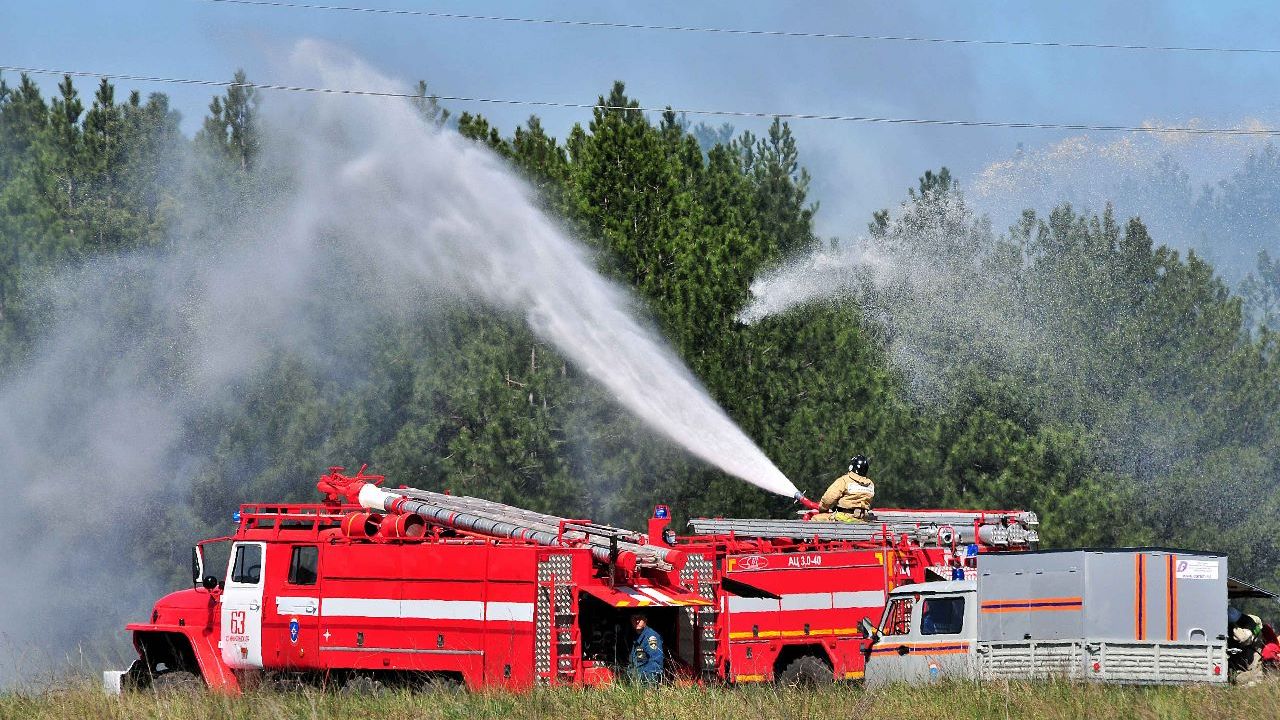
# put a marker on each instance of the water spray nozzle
(800, 498)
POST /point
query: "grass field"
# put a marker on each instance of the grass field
(1038, 701)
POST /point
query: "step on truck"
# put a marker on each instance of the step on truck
(1151, 616)
(396, 585)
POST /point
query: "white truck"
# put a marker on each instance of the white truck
(1126, 615)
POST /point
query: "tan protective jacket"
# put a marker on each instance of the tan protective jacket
(850, 491)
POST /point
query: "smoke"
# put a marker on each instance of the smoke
(921, 281)
(365, 211)
(1214, 193)
(926, 281)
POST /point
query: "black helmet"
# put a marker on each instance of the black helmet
(859, 464)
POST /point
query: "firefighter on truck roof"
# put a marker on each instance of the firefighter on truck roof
(646, 652)
(849, 497)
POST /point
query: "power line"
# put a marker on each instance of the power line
(741, 31)
(683, 111)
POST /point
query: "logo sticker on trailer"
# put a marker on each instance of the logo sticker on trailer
(293, 630)
(1197, 570)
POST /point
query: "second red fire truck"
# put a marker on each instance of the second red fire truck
(377, 585)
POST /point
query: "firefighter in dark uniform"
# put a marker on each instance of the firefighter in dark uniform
(646, 653)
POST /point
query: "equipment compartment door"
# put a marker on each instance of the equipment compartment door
(241, 639)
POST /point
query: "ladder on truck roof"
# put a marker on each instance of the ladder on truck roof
(487, 517)
(925, 527)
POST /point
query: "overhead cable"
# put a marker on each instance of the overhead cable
(743, 31)
(1172, 130)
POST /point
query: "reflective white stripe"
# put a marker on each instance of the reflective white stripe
(806, 601)
(745, 604)
(859, 599)
(513, 611)
(427, 609)
(442, 609)
(634, 594)
(360, 607)
(297, 605)
(655, 595)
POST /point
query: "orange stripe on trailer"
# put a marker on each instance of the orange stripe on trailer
(1070, 604)
(749, 678)
(1171, 595)
(1140, 597)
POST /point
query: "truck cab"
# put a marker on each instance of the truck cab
(926, 632)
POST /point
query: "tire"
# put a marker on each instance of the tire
(363, 685)
(806, 671)
(177, 682)
(136, 678)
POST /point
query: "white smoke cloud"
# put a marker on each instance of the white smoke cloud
(1167, 179)
(922, 283)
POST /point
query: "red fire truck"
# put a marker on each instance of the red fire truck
(375, 585)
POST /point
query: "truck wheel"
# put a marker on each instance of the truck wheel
(806, 671)
(363, 685)
(177, 682)
(137, 677)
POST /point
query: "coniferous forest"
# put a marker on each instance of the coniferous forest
(1143, 406)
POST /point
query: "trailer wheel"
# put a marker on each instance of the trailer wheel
(177, 682)
(806, 671)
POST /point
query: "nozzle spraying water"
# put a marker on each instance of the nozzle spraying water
(806, 502)
(463, 221)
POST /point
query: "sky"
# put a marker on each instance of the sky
(856, 168)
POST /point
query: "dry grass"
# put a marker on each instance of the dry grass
(1038, 701)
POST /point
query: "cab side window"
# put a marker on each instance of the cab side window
(897, 619)
(303, 565)
(248, 565)
(942, 616)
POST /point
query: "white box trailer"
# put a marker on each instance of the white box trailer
(1127, 615)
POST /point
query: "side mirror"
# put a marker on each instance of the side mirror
(210, 582)
(868, 630)
(197, 565)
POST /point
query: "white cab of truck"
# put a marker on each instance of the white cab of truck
(1144, 615)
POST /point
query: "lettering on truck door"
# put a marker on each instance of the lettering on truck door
(241, 639)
